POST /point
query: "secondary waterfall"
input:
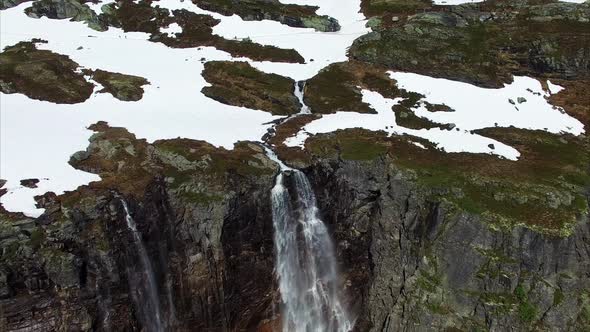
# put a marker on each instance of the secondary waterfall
(305, 259)
(299, 94)
(143, 286)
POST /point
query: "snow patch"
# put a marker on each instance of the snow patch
(521, 104)
(554, 88)
(447, 140)
(172, 29)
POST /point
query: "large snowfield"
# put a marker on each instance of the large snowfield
(38, 137)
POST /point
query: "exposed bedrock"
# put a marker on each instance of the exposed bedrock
(413, 264)
(407, 263)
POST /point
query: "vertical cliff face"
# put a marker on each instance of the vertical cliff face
(411, 263)
(409, 260)
(204, 220)
(213, 265)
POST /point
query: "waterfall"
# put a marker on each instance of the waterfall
(299, 94)
(143, 285)
(305, 259)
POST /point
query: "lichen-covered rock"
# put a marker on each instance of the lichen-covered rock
(412, 262)
(121, 86)
(62, 9)
(289, 14)
(5, 4)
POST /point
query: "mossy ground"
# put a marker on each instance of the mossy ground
(458, 43)
(337, 88)
(545, 190)
(239, 84)
(42, 75)
(196, 170)
(397, 7)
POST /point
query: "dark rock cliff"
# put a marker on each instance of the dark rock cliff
(408, 262)
(414, 264)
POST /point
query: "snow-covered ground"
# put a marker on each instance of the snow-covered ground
(37, 137)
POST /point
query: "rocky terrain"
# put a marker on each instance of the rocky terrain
(44, 75)
(484, 43)
(425, 240)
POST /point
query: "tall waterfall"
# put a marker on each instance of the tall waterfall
(305, 259)
(143, 285)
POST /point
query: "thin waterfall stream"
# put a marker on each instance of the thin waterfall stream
(299, 87)
(143, 287)
(305, 258)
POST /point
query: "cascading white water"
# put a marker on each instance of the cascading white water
(143, 287)
(299, 94)
(305, 259)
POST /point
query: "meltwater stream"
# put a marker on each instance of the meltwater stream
(299, 94)
(143, 286)
(305, 259)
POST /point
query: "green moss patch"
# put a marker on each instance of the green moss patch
(76, 10)
(384, 7)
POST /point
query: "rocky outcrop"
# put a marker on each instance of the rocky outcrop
(485, 44)
(289, 14)
(4, 4)
(205, 222)
(121, 86)
(62, 9)
(42, 74)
